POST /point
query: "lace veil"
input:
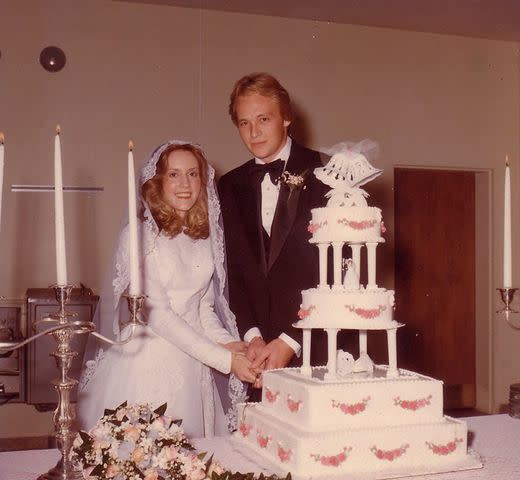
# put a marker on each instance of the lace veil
(112, 311)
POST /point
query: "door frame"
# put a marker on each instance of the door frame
(484, 294)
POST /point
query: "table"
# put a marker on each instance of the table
(495, 437)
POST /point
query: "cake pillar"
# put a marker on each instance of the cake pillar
(306, 354)
(362, 342)
(323, 248)
(331, 352)
(338, 256)
(391, 335)
(371, 257)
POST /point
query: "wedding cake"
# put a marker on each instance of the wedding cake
(350, 417)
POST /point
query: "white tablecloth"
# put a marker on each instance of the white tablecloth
(495, 437)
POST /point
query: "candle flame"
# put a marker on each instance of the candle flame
(58, 129)
(131, 145)
(507, 160)
(2, 138)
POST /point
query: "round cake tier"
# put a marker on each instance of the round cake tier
(347, 309)
(345, 224)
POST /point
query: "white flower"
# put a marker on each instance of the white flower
(152, 443)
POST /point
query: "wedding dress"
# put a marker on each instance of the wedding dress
(169, 360)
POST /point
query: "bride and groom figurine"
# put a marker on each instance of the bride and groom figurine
(202, 297)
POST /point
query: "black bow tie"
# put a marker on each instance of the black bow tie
(274, 169)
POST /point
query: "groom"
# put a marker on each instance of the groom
(266, 205)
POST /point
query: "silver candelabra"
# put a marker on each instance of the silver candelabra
(507, 295)
(65, 327)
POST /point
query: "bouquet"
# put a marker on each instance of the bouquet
(134, 442)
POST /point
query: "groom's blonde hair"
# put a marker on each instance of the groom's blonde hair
(263, 84)
(195, 224)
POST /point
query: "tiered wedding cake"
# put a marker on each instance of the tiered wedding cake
(350, 417)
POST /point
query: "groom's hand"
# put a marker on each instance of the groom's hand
(276, 354)
(255, 348)
(236, 347)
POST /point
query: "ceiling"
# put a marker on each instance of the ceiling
(490, 19)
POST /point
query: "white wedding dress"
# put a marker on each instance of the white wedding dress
(169, 360)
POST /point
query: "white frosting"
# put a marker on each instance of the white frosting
(352, 450)
(362, 400)
(345, 224)
(361, 424)
(340, 307)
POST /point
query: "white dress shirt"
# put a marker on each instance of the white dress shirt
(270, 193)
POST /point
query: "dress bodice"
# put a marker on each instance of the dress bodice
(177, 273)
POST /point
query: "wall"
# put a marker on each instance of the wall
(151, 72)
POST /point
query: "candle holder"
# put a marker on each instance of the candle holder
(63, 332)
(507, 295)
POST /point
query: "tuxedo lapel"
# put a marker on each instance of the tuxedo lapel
(286, 207)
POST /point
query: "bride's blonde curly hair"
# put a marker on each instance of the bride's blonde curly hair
(196, 223)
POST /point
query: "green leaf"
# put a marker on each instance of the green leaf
(98, 470)
(161, 410)
(85, 437)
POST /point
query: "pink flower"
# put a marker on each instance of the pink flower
(305, 312)
(263, 441)
(313, 227)
(284, 455)
(112, 470)
(270, 396)
(292, 405)
(245, 429)
(138, 455)
(131, 434)
(151, 474)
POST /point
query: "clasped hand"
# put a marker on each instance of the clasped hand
(275, 354)
(249, 360)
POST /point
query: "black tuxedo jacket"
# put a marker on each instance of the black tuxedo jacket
(266, 275)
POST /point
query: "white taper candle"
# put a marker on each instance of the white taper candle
(507, 227)
(135, 284)
(59, 219)
(2, 151)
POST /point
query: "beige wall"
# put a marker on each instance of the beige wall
(153, 72)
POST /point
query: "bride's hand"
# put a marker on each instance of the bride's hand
(236, 347)
(241, 367)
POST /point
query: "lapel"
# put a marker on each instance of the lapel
(251, 216)
(287, 205)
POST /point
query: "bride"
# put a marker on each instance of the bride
(183, 276)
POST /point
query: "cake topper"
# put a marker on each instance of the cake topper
(351, 277)
(348, 168)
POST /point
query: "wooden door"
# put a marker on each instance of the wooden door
(435, 277)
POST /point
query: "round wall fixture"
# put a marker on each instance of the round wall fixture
(52, 59)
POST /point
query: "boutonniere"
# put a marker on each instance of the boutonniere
(294, 181)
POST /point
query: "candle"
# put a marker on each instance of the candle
(1, 172)
(507, 227)
(59, 221)
(135, 287)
